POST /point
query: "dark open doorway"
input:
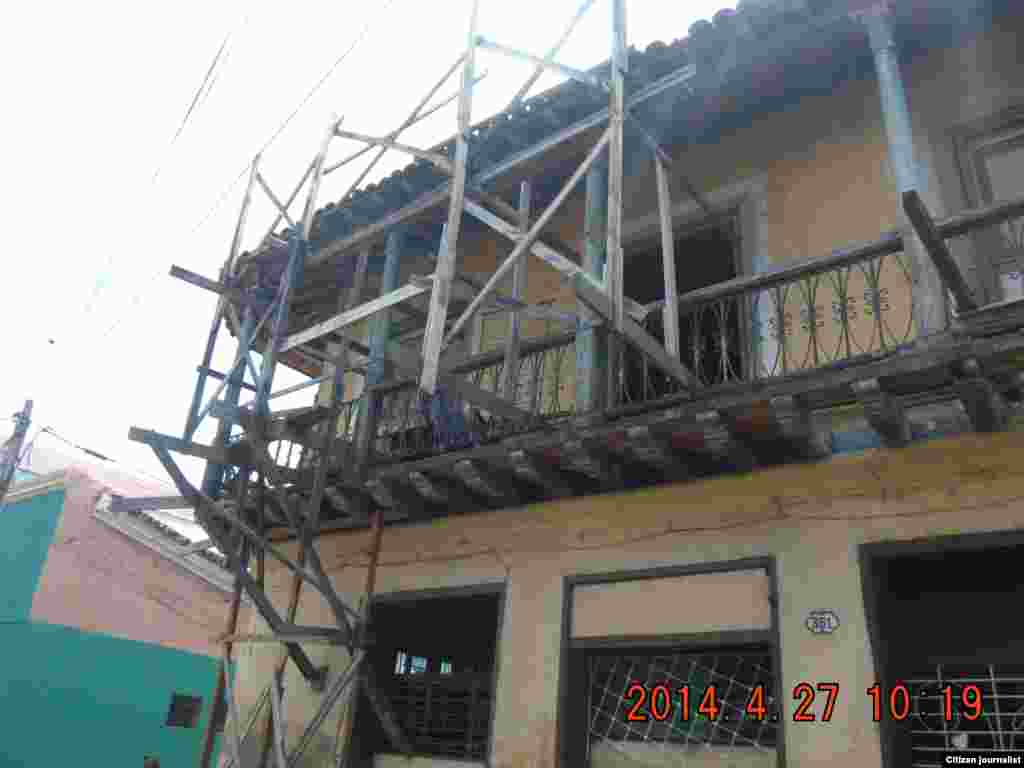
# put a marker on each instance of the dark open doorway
(709, 338)
(947, 613)
(435, 657)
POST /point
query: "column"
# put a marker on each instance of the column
(929, 292)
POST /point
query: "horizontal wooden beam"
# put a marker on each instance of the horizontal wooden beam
(354, 315)
(440, 161)
(574, 74)
(213, 286)
(233, 455)
(598, 301)
(220, 377)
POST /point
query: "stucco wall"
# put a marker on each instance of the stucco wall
(951, 90)
(27, 527)
(79, 698)
(811, 518)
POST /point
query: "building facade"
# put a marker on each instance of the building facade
(110, 630)
(784, 564)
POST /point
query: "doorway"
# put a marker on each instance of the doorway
(435, 657)
(945, 613)
(709, 336)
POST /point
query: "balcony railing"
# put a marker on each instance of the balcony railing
(853, 306)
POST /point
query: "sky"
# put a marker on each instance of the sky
(99, 204)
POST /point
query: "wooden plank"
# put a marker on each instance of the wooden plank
(281, 209)
(526, 240)
(933, 242)
(354, 315)
(447, 255)
(221, 377)
(548, 57)
(413, 118)
(636, 335)
(439, 160)
(408, 363)
(670, 312)
(213, 286)
(616, 107)
(235, 455)
(543, 62)
(510, 368)
(433, 198)
(557, 261)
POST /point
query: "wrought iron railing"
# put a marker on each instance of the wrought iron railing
(544, 386)
(850, 307)
(806, 317)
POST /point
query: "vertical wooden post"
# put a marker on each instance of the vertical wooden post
(668, 260)
(510, 369)
(591, 338)
(619, 63)
(346, 721)
(209, 735)
(447, 254)
(226, 272)
(615, 275)
(380, 335)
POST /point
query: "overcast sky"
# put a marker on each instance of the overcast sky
(94, 94)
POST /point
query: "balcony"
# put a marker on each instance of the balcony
(791, 365)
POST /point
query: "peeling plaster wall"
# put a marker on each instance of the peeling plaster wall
(812, 518)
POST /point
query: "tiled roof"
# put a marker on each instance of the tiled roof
(714, 46)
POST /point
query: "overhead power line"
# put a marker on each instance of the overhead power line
(224, 195)
(312, 92)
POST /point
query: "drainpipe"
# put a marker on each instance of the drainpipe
(591, 347)
(930, 310)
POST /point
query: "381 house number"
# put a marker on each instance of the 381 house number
(823, 622)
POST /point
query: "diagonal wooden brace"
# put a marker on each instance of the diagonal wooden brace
(599, 302)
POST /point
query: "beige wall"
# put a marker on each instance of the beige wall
(811, 518)
(953, 89)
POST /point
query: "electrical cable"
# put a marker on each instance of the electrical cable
(224, 195)
(312, 92)
(204, 89)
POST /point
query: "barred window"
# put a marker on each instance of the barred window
(706, 699)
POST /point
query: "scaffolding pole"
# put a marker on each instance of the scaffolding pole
(258, 294)
(12, 448)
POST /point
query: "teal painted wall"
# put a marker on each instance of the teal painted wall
(74, 698)
(26, 530)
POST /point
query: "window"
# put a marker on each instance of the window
(410, 665)
(184, 711)
(637, 698)
(710, 341)
(992, 160)
(440, 688)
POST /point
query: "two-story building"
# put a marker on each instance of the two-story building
(711, 572)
